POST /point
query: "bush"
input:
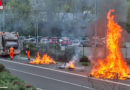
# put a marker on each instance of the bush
(2, 67)
(85, 63)
(12, 82)
(33, 49)
(84, 59)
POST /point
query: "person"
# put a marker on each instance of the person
(28, 53)
(11, 50)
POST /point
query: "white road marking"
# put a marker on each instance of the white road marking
(3, 87)
(39, 89)
(52, 79)
(119, 83)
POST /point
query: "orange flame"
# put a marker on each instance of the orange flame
(113, 66)
(44, 60)
(71, 65)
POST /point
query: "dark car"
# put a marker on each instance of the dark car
(86, 44)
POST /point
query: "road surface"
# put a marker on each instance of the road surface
(53, 79)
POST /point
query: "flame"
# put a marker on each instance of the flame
(113, 66)
(44, 60)
(71, 65)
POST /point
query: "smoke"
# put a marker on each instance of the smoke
(98, 21)
(76, 55)
(67, 16)
(99, 25)
(70, 17)
(102, 7)
(75, 59)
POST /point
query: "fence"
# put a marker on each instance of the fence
(88, 51)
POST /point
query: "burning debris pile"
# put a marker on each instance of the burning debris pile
(44, 60)
(69, 65)
(113, 65)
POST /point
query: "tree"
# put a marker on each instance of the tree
(128, 18)
(17, 14)
(20, 7)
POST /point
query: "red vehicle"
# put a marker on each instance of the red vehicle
(53, 40)
(65, 42)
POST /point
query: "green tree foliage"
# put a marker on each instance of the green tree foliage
(17, 16)
(128, 18)
(20, 7)
(49, 17)
(128, 21)
(68, 8)
(10, 81)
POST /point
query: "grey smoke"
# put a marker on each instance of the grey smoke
(75, 24)
(70, 24)
(103, 6)
(100, 21)
(76, 56)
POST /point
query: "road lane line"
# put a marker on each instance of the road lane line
(39, 89)
(3, 87)
(119, 83)
(52, 79)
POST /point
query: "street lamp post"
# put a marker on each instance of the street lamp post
(36, 22)
(83, 50)
(3, 20)
(37, 33)
(95, 20)
(95, 32)
(2, 8)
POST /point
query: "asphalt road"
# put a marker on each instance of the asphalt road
(51, 79)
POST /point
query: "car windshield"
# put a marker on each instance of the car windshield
(11, 43)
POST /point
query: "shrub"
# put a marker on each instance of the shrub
(84, 59)
(10, 81)
(2, 67)
(85, 63)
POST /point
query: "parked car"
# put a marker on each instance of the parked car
(75, 42)
(44, 40)
(53, 40)
(30, 40)
(86, 44)
(65, 41)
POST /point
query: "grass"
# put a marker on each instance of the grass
(85, 63)
(12, 82)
